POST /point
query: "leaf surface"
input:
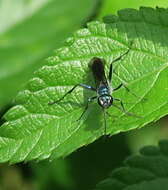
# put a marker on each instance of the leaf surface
(36, 130)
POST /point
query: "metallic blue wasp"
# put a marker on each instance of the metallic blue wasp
(102, 87)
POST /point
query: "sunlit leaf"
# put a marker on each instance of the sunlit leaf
(36, 130)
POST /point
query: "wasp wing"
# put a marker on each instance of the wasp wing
(97, 66)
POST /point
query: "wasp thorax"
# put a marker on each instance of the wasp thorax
(105, 101)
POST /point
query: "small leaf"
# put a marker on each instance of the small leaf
(36, 130)
(149, 170)
(113, 6)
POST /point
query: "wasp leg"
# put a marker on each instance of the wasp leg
(78, 85)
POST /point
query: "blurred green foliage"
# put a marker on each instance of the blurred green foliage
(30, 33)
(147, 170)
(20, 56)
(149, 135)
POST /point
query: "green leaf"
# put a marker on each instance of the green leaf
(30, 33)
(149, 170)
(115, 5)
(36, 130)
